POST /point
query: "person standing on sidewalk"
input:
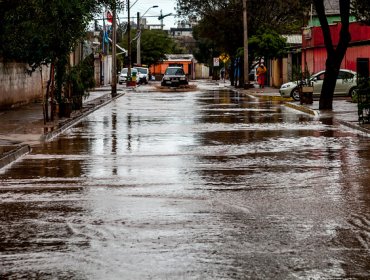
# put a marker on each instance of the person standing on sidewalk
(261, 75)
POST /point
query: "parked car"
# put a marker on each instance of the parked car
(143, 73)
(252, 75)
(346, 84)
(174, 76)
(123, 75)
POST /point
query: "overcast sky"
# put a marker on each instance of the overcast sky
(167, 6)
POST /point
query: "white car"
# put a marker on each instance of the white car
(143, 73)
(123, 75)
(346, 84)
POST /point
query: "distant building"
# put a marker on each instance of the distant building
(177, 32)
(183, 34)
(186, 61)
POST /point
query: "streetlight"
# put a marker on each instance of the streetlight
(138, 43)
(161, 17)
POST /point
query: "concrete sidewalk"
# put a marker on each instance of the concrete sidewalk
(23, 127)
(344, 111)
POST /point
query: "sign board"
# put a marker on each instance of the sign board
(224, 57)
(216, 61)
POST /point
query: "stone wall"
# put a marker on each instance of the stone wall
(17, 87)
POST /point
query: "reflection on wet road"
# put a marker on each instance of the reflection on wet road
(197, 185)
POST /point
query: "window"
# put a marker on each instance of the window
(345, 75)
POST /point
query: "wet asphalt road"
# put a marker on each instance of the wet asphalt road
(195, 185)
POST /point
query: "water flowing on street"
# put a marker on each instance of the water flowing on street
(190, 185)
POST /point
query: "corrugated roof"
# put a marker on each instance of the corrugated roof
(294, 39)
(331, 7)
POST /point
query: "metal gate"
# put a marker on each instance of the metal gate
(363, 90)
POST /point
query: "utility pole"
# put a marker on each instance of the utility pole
(138, 43)
(128, 40)
(161, 16)
(245, 39)
(114, 53)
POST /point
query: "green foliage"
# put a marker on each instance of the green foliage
(299, 75)
(154, 45)
(267, 43)
(220, 25)
(81, 77)
(361, 9)
(39, 32)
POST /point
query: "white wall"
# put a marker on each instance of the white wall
(201, 71)
(17, 87)
(107, 69)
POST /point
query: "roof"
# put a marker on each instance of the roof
(180, 57)
(294, 39)
(331, 7)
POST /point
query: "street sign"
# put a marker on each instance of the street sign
(216, 61)
(224, 57)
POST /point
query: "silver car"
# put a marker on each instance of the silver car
(346, 84)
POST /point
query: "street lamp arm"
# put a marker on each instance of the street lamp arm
(163, 16)
(138, 36)
(155, 6)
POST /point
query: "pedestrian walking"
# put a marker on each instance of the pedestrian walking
(261, 75)
(223, 74)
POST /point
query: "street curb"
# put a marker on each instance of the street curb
(71, 122)
(267, 97)
(355, 127)
(14, 155)
(302, 108)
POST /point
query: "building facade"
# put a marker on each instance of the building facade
(314, 52)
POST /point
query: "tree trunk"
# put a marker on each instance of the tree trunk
(335, 55)
(46, 100)
(52, 91)
(329, 83)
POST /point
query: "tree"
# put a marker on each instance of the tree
(362, 10)
(268, 44)
(41, 32)
(155, 44)
(336, 54)
(220, 25)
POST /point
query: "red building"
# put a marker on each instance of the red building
(314, 52)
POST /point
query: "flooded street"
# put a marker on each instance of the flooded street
(190, 185)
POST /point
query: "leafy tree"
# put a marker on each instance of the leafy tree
(267, 43)
(155, 44)
(362, 10)
(41, 32)
(220, 26)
